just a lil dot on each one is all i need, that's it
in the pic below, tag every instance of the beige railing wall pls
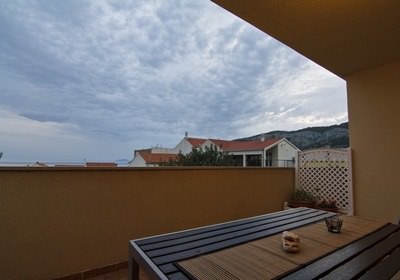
(56, 222)
(373, 100)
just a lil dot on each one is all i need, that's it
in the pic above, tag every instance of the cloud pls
(32, 136)
(135, 74)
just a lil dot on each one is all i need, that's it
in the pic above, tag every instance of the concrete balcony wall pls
(373, 100)
(58, 221)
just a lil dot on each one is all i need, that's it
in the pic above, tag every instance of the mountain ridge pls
(333, 136)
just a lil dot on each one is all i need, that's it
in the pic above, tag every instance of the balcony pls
(60, 222)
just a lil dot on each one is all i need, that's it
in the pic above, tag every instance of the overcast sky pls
(98, 79)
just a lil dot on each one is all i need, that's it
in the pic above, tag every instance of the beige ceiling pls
(344, 36)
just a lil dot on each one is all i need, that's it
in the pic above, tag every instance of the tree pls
(1, 155)
(210, 156)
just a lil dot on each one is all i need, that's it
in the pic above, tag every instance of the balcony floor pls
(117, 275)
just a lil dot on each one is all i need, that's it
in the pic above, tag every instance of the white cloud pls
(126, 75)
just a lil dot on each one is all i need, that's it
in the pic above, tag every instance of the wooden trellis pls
(327, 174)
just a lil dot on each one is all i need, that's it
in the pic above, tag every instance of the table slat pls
(361, 263)
(221, 230)
(386, 269)
(218, 245)
(209, 229)
(160, 253)
(325, 265)
(265, 258)
(245, 234)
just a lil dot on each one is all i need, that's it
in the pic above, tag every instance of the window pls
(253, 160)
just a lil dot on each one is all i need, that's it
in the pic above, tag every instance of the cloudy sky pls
(97, 79)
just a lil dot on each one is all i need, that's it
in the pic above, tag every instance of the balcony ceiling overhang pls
(343, 36)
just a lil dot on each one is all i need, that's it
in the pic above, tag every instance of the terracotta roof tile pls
(156, 157)
(195, 142)
(231, 146)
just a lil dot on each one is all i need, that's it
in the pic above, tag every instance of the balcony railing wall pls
(58, 221)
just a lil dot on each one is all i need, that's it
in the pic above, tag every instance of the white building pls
(277, 152)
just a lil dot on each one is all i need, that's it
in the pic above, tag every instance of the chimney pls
(186, 134)
(262, 139)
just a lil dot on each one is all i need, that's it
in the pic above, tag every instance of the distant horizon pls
(99, 79)
(126, 160)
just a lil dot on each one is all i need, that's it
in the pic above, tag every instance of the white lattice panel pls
(327, 174)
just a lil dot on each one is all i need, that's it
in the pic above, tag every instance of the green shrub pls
(302, 195)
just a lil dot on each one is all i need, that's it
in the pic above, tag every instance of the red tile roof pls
(231, 146)
(195, 142)
(226, 145)
(156, 157)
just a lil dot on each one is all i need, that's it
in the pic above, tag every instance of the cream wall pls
(285, 152)
(138, 161)
(374, 116)
(58, 221)
(183, 147)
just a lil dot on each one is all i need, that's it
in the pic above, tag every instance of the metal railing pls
(280, 163)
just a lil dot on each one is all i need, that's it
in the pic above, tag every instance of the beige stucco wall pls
(374, 115)
(56, 222)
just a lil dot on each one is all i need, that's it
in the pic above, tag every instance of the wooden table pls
(372, 254)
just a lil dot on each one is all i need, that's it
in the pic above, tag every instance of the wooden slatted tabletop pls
(265, 258)
(161, 257)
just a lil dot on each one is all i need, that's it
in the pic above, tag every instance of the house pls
(151, 158)
(278, 152)
(187, 144)
(154, 156)
(272, 152)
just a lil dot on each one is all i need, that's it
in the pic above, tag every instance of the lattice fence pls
(327, 174)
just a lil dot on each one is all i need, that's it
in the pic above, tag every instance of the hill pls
(334, 136)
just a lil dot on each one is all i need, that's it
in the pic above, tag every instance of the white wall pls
(274, 154)
(183, 146)
(138, 161)
(209, 143)
(285, 152)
